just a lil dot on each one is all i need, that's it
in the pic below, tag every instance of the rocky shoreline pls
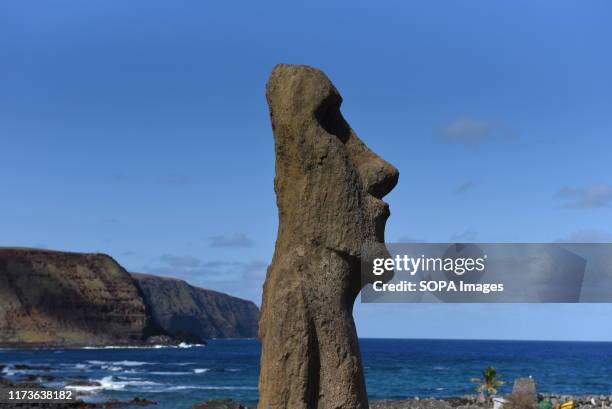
(467, 402)
(32, 381)
(155, 341)
(581, 402)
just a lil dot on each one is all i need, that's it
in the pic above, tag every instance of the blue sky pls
(140, 129)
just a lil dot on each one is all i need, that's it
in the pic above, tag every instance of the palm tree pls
(487, 385)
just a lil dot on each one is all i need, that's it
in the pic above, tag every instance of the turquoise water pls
(178, 377)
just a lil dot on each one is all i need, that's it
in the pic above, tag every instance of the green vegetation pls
(488, 384)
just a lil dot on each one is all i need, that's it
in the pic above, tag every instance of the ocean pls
(395, 368)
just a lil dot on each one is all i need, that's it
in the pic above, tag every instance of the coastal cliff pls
(186, 311)
(59, 298)
(54, 298)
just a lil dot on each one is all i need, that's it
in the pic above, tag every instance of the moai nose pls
(379, 176)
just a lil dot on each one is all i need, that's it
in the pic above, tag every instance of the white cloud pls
(472, 132)
(236, 240)
(468, 236)
(464, 187)
(589, 197)
(587, 236)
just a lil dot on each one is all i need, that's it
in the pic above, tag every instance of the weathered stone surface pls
(193, 314)
(328, 186)
(525, 387)
(219, 404)
(58, 298)
(412, 404)
(470, 402)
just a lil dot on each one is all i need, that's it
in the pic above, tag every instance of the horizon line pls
(449, 339)
(486, 339)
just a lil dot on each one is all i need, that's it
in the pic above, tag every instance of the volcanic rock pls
(329, 186)
(192, 314)
(52, 298)
(59, 298)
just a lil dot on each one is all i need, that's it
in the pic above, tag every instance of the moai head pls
(329, 184)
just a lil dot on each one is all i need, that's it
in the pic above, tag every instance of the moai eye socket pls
(330, 118)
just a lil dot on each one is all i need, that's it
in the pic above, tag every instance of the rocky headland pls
(62, 299)
(191, 312)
